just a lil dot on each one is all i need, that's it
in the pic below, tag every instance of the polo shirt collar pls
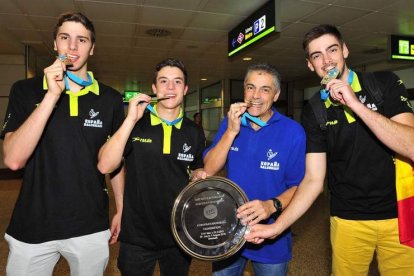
(74, 96)
(94, 87)
(155, 120)
(276, 116)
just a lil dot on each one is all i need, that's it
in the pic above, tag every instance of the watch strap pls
(278, 206)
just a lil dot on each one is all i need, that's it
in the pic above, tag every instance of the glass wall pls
(211, 108)
(191, 104)
(236, 91)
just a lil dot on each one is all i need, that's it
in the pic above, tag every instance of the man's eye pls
(315, 57)
(333, 50)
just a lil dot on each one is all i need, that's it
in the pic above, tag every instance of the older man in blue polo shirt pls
(263, 151)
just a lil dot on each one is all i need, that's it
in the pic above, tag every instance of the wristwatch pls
(278, 207)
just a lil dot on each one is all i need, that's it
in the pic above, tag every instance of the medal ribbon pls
(168, 123)
(76, 79)
(348, 112)
(73, 97)
(246, 116)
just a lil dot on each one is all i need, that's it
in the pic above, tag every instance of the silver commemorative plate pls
(203, 219)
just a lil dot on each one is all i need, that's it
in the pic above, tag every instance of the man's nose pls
(256, 93)
(170, 85)
(73, 44)
(326, 59)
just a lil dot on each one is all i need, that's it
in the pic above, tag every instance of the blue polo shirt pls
(265, 163)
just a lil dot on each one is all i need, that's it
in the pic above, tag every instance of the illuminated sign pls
(129, 95)
(261, 24)
(401, 47)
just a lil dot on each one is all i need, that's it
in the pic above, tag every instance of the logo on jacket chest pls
(270, 163)
(185, 155)
(93, 121)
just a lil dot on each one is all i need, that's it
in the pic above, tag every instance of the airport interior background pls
(211, 38)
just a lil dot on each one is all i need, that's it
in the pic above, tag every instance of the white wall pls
(12, 68)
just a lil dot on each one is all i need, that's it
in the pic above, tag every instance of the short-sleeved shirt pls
(361, 172)
(158, 159)
(63, 195)
(265, 163)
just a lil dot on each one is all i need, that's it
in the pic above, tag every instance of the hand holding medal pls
(65, 59)
(332, 74)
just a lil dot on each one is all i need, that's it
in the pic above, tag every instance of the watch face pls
(278, 205)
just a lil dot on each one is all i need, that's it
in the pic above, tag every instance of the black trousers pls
(134, 260)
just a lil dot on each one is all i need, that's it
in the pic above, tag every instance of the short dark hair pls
(268, 68)
(172, 63)
(319, 31)
(75, 17)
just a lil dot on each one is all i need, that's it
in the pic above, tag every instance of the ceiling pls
(125, 55)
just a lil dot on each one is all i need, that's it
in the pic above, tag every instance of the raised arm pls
(216, 158)
(19, 145)
(111, 153)
(396, 133)
(306, 193)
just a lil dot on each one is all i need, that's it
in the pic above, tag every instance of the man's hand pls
(342, 92)
(234, 116)
(54, 77)
(259, 232)
(255, 211)
(198, 174)
(137, 106)
(115, 228)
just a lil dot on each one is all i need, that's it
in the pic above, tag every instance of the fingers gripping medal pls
(68, 75)
(332, 74)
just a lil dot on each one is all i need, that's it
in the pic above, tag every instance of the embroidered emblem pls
(270, 154)
(141, 140)
(186, 147)
(185, 156)
(93, 114)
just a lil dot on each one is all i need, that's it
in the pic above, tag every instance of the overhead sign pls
(401, 47)
(258, 26)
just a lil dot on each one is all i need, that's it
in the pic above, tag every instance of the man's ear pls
(185, 90)
(91, 51)
(276, 96)
(154, 89)
(345, 51)
(310, 66)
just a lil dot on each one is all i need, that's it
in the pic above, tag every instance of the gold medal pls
(65, 59)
